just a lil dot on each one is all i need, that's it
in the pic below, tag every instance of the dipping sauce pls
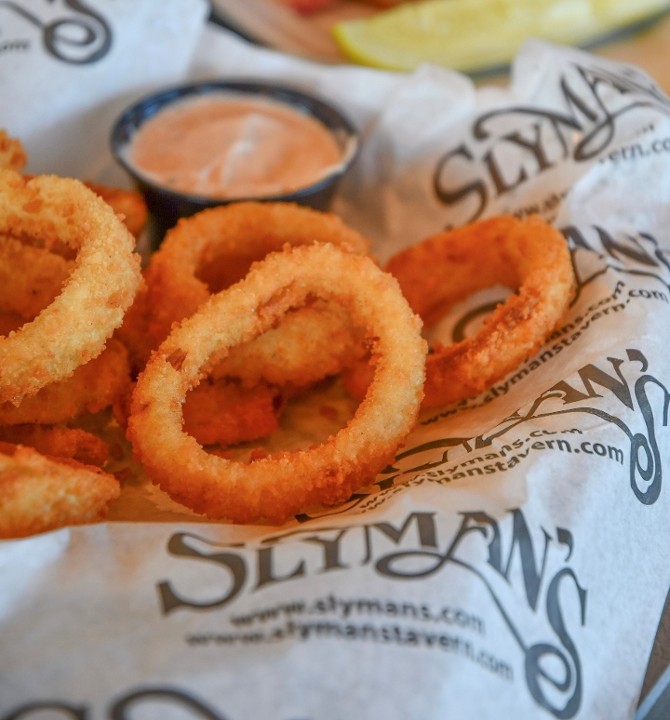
(231, 146)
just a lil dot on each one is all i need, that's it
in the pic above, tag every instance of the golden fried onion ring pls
(275, 486)
(212, 250)
(38, 493)
(129, 205)
(527, 255)
(30, 277)
(74, 328)
(315, 342)
(92, 387)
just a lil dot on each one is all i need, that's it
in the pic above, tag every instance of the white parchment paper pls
(513, 562)
(68, 67)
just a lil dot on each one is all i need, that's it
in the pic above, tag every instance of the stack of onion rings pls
(208, 252)
(68, 274)
(242, 306)
(273, 487)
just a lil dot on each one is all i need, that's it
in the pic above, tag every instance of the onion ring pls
(38, 493)
(59, 441)
(225, 413)
(93, 387)
(213, 249)
(129, 205)
(275, 486)
(30, 277)
(314, 342)
(74, 328)
(526, 254)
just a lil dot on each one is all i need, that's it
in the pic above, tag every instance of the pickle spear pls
(472, 35)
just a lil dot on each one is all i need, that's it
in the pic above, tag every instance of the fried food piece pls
(93, 387)
(316, 342)
(128, 204)
(529, 256)
(59, 441)
(30, 277)
(133, 332)
(38, 493)
(75, 327)
(214, 249)
(225, 413)
(277, 485)
(12, 153)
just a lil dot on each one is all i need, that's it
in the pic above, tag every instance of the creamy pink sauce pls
(230, 146)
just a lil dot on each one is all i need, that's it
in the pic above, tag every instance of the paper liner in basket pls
(513, 561)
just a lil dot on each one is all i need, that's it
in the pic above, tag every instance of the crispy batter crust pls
(93, 387)
(94, 298)
(12, 153)
(214, 249)
(30, 277)
(129, 205)
(278, 485)
(529, 256)
(219, 412)
(58, 441)
(38, 493)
